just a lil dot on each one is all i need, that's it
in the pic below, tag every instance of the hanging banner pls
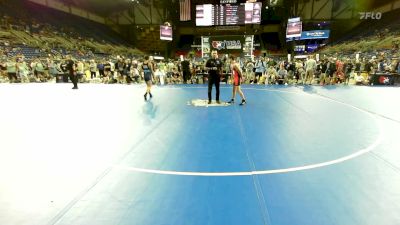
(205, 47)
(315, 34)
(234, 44)
(248, 46)
(227, 44)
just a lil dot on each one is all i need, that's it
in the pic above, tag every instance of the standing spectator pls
(119, 69)
(339, 71)
(331, 71)
(134, 71)
(80, 71)
(170, 68)
(348, 68)
(369, 68)
(92, 68)
(311, 66)
(39, 68)
(71, 68)
(291, 68)
(282, 74)
(107, 72)
(100, 67)
(112, 74)
(126, 72)
(300, 72)
(162, 71)
(185, 65)
(260, 66)
(250, 71)
(53, 71)
(358, 66)
(64, 70)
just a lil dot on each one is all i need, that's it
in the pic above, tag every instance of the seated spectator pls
(53, 70)
(107, 72)
(23, 70)
(134, 72)
(282, 77)
(360, 79)
(249, 68)
(12, 70)
(176, 78)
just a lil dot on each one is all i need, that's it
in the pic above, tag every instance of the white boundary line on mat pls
(274, 171)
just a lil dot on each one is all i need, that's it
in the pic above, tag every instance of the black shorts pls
(258, 74)
(147, 77)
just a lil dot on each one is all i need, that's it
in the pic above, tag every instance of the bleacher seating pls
(370, 35)
(149, 40)
(40, 29)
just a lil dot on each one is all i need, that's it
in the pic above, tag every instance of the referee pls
(214, 66)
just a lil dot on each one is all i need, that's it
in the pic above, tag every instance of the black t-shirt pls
(63, 66)
(324, 67)
(291, 67)
(107, 67)
(368, 67)
(215, 66)
(70, 66)
(185, 65)
(349, 67)
(358, 66)
(120, 66)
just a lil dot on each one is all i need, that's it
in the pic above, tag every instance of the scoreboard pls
(228, 14)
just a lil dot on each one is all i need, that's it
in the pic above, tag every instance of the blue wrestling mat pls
(293, 155)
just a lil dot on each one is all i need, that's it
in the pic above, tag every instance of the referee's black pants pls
(213, 79)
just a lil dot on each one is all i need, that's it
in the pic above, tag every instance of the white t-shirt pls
(358, 78)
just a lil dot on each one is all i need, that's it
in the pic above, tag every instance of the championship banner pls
(227, 45)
